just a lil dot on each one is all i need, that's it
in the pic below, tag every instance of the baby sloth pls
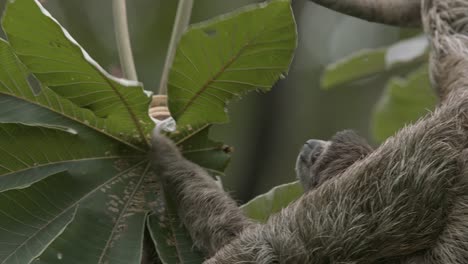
(321, 160)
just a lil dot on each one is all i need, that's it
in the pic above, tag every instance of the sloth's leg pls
(320, 160)
(212, 218)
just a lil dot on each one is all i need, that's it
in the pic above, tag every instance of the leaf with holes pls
(228, 56)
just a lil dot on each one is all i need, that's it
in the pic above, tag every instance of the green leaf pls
(31, 153)
(172, 241)
(23, 223)
(230, 55)
(369, 62)
(60, 63)
(104, 156)
(20, 104)
(262, 206)
(359, 65)
(403, 102)
(196, 146)
(109, 224)
(110, 189)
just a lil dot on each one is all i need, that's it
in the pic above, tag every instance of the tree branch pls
(405, 13)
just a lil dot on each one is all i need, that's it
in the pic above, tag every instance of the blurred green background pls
(266, 130)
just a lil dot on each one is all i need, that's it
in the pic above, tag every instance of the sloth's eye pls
(315, 154)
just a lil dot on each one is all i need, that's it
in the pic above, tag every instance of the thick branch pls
(405, 13)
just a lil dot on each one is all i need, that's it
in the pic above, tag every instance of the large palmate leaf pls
(59, 62)
(102, 173)
(262, 206)
(23, 223)
(403, 102)
(228, 56)
(164, 225)
(76, 184)
(109, 224)
(98, 151)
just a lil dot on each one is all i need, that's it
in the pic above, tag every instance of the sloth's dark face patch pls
(319, 161)
(307, 158)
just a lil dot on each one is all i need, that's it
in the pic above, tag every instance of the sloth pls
(404, 202)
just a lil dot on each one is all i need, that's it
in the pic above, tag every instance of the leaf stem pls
(123, 39)
(182, 20)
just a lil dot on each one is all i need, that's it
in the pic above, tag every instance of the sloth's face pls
(307, 160)
(319, 160)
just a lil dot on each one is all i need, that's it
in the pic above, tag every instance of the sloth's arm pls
(212, 218)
